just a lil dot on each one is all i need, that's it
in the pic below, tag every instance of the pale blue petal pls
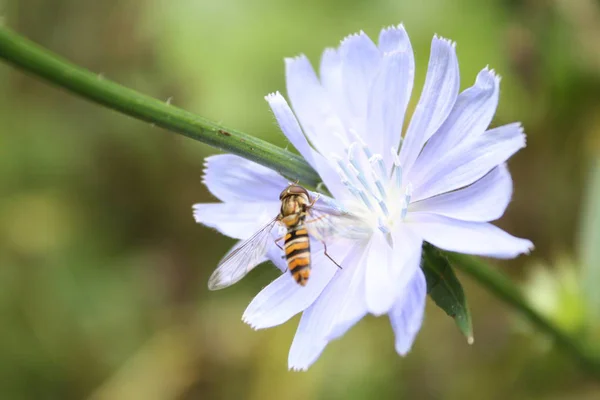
(353, 306)
(407, 314)
(318, 320)
(360, 63)
(470, 161)
(437, 99)
(470, 117)
(388, 100)
(289, 125)
(283, 298)
(479, 238)
(388, 270)
(236, 220)
(276, 256)
(485, 200)
(330, 177)
(330, 72)
(394, 39)
(312, 106)
(233, 178)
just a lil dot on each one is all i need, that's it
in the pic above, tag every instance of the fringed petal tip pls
(353, 36)
(391, 28)
(448, 42)
(208, 160)
(292, 60)
(515, 126)
(487, 79)
(492, 72)
(529, 247)
(250, 324)
(207, 164)
(301, 360)
(395, 39)
(197, 212)
(294, 368)
(521, 132)
(273, 96)
(329, 53)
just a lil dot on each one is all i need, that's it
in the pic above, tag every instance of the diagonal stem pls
(27, 56)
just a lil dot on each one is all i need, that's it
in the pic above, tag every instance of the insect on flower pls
(296, 205)
(442, 182)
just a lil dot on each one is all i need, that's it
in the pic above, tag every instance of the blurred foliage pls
(589, 238)
(103, 271)
(568, 292)
(557, 294)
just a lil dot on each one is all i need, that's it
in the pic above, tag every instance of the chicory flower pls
(442, 182)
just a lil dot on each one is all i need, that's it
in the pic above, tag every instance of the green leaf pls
(589, 244)
(445, 290)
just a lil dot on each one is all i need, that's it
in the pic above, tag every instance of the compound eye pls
(297, 189)
(283, 194)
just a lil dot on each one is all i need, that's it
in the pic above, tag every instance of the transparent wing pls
(327, 219)
(242, 258)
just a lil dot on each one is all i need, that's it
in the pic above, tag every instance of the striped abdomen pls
(297, 253)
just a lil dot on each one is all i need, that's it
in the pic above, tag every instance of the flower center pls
(379, 194)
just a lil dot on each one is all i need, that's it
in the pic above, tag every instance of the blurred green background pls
(103, 271)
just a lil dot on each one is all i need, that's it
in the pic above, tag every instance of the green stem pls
(501, 286)
(26, 55)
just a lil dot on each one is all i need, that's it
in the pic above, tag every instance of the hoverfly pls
(300, 216)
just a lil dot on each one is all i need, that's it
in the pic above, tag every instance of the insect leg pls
(278, 245)
(308, 221)
(277, 240)
(312, 203)
(328, 256)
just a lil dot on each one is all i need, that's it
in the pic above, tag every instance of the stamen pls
(343, 169)
(366, 149)
(382, 226)
(361, 178)
(404, 209)
(360, 194)
(353, 169)
(353, 189)
(386, 232)
(365, 199)
(397, 172)
(356, 168)
(379, 185)
(384, 208)
(408, 193)
(378, 159)
(397, 169)
(351, 151)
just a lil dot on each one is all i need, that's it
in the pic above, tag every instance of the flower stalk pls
(39, 62)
